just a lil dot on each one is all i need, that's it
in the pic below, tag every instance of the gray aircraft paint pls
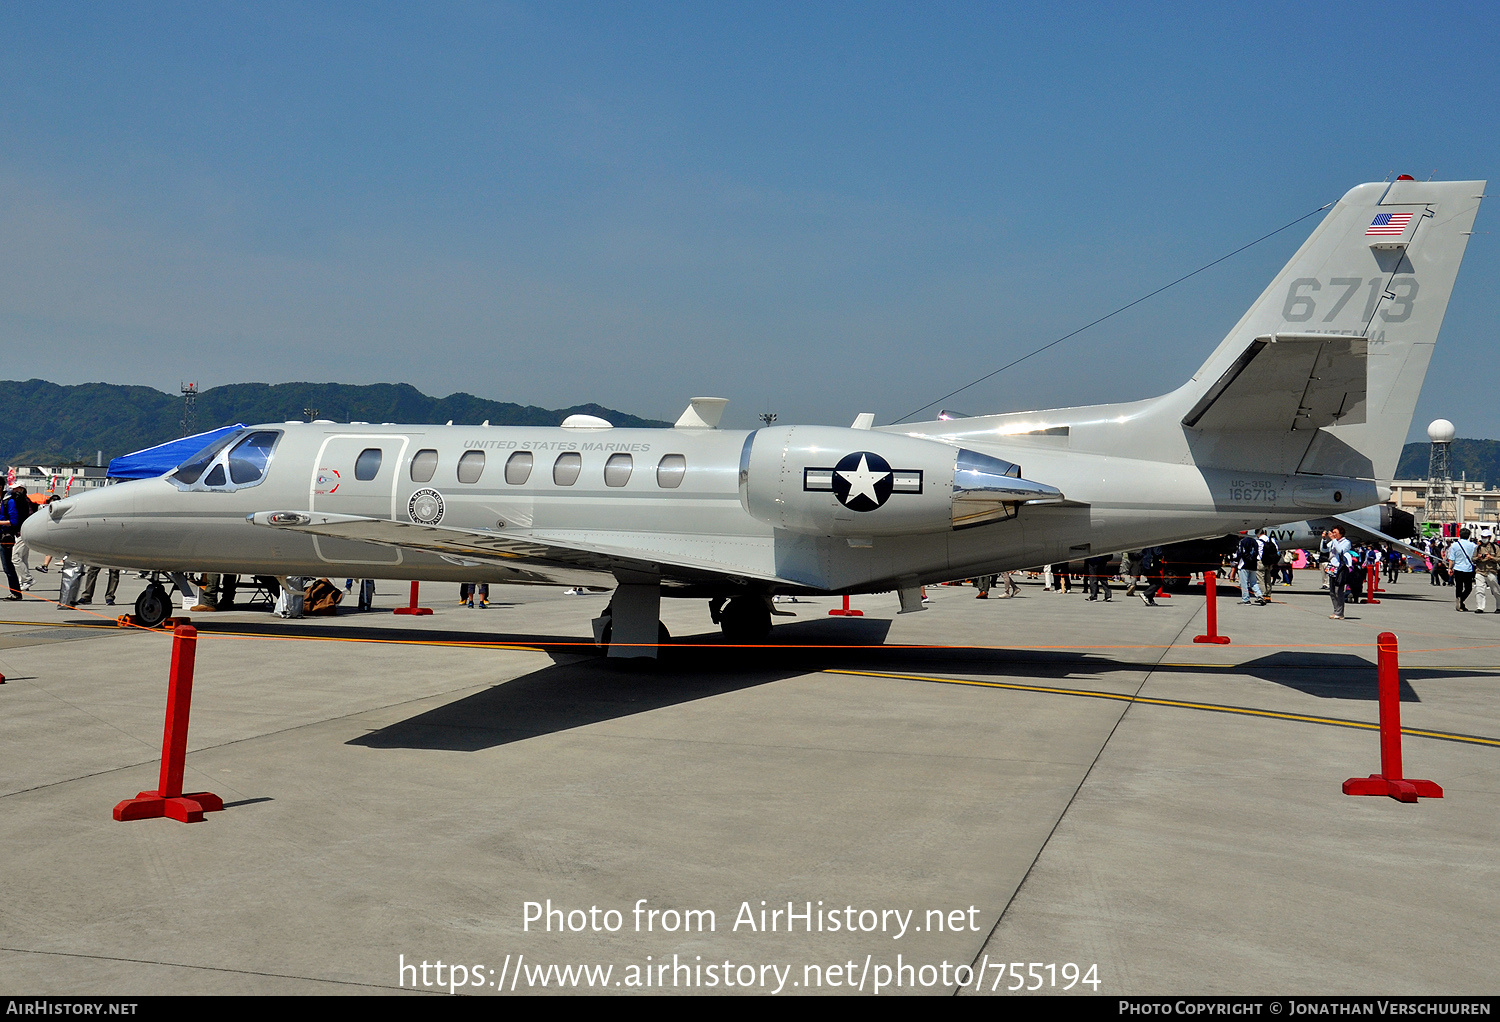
(1299, 413)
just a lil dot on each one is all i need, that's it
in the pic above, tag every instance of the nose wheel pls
(152, 606)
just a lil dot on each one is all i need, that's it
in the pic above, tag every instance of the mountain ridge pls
(50, 423)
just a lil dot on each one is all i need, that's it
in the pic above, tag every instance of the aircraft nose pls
(36, 530)
(63, 527)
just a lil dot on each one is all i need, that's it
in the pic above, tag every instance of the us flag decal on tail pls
(1389, 223)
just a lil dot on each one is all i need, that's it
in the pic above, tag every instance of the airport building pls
(1475, 502)
(56, 478)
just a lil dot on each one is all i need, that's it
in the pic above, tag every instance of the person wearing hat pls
(1487, 569)
(14, 509)
(21, 554)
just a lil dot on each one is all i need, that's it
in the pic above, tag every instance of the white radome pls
(1441, 431)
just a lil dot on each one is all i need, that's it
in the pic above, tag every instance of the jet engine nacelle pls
(828, 481)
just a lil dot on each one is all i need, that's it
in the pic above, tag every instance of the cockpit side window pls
(249, 458)
(236, 462)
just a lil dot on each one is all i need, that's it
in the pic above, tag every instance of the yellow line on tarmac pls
(1209, 707)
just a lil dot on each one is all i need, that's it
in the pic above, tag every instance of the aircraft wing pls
(529, 558)
(1287, 382)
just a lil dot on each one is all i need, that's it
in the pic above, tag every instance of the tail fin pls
(1371, 286)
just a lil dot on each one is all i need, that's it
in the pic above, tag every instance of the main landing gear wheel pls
(152, 606)
(746, 620)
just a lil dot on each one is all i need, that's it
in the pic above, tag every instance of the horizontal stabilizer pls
(1366, 532)
(1287, 382)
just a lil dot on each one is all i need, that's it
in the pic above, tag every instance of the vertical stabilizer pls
(1381, 266)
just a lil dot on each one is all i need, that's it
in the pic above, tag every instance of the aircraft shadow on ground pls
(583, 687)
(580, 690)
(1327, 675)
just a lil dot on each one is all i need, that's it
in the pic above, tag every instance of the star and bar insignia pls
(862, 481)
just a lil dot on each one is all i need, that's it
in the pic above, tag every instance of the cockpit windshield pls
(235, 462)
(188, 472)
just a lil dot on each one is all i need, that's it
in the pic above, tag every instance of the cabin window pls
(367, 465)
(566, 468)
(617, 469)
(470, 466)
(518, 468)
(424, 465)
(670, 470)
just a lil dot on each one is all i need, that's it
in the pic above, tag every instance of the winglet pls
(702, 413)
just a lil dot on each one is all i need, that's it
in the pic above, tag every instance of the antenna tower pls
(1442, 501)
(189, 395)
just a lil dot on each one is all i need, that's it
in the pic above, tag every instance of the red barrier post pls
(413, 609)
(168, 798)
(1372, 585)
(1375, 586)
(1389, 781)
(845, 611)
(1210, 592)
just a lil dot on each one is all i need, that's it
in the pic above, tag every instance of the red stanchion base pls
(151, 805)
(1402, 790)
(844, 611)
(412, 608)
(1217, 640)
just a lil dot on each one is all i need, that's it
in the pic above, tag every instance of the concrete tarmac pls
(1037, 780)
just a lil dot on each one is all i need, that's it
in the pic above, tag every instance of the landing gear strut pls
(631, 625)
(744, 619)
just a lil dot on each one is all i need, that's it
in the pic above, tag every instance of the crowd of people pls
(1259, 564)
(1470, 563)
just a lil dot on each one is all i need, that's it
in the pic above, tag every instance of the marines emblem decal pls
(862, 481)
(426, 507)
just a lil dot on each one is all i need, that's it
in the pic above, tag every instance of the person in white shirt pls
(1460, 559)
(1338, 570)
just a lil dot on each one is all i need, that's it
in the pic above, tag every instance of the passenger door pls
(357, 474)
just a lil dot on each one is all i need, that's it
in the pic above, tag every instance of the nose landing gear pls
(152, 606)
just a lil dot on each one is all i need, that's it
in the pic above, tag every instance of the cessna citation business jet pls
(1300, 413)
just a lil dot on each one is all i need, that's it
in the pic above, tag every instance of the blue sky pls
(814, 209)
